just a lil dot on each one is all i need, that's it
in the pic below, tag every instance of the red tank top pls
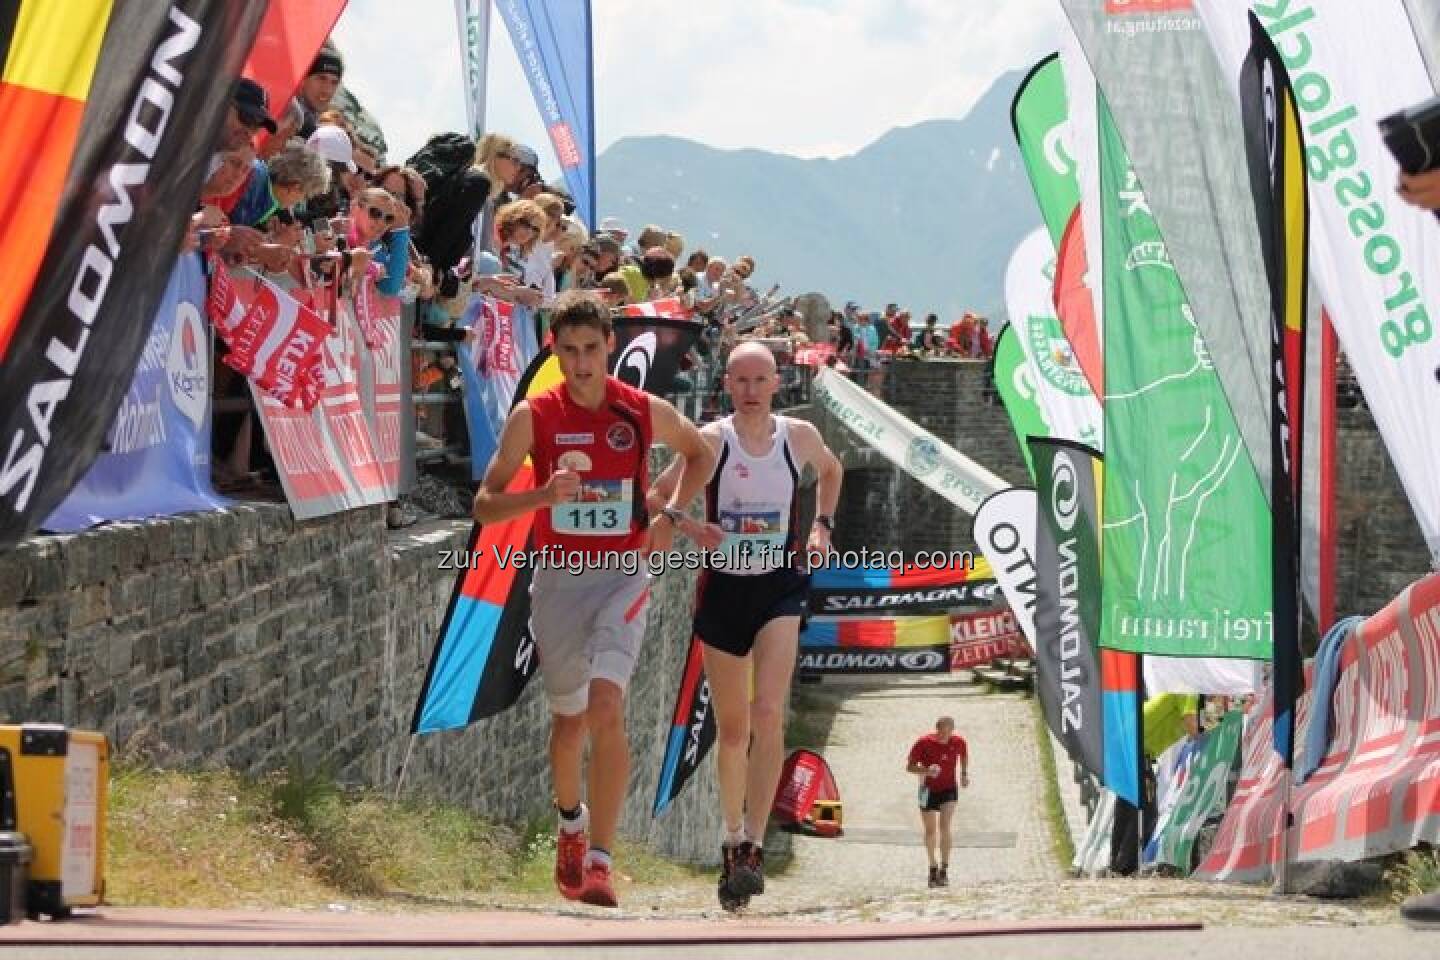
(610, 448)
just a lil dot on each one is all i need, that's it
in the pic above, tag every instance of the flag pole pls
(404, 766)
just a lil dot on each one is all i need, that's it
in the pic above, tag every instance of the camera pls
(1413, 136)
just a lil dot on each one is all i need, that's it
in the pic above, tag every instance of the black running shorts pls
(933, 800)
(733, 609)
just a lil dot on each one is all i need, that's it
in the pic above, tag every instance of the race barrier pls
(1377, 789)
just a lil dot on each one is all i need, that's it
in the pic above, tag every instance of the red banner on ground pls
(1377, 790)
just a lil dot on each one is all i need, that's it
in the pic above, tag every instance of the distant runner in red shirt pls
(934, 757)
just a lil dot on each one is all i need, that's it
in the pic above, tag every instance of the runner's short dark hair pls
(580, 308)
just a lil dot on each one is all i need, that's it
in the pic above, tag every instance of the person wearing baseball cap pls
(249, 111)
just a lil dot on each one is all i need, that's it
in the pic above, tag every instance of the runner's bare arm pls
(492, 503)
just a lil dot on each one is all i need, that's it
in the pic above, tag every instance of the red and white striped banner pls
(1377, 790)
(668, 307)
(276, 343)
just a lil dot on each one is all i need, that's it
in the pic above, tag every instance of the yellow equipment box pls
(58, 780)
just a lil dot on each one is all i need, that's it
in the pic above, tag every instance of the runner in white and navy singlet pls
(753, 595)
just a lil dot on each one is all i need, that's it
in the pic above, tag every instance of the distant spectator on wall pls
(931, 339)
(318, 88)
(658, 269)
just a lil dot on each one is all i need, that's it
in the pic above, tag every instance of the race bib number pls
(753, 539)
(601, 508)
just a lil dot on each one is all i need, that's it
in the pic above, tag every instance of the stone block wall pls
(246, 639)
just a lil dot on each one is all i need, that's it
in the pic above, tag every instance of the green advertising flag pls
(1017, 392)
(1187, 528)
(1040, 118)
(1203, 794)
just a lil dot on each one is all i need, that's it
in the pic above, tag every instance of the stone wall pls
(247, 639)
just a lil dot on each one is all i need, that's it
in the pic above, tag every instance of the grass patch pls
(296, 839)
(1062, 847)
(1414, 871)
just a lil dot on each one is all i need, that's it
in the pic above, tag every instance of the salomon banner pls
(109, 111)
(1067, 404)
(918, 452)
(1377, 789)
(649, 350)
(1005, 531)
(867, 591)
(1187, 529)
(1089, 696)
(1376, 259)
(692, 731)
(1202, 796)
(875, 632)
(1085, 720)
(472, 23)
(156, 459)
(484, 655)
(820, 660)
(1275, 151)
(552, 41)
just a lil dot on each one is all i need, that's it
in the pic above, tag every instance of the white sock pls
(595, 855)
(578, 824)
(733, 838)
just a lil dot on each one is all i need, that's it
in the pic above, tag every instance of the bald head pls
(750, 358)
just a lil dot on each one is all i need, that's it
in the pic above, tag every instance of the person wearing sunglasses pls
(380, 228)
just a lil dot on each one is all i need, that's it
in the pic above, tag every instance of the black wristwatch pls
(827, 522)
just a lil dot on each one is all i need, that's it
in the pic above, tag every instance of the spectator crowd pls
(304, 194)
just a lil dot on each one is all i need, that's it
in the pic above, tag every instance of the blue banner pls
(552, 40)
(492, 363)
(156, 457)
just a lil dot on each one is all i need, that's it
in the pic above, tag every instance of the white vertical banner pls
(1066, 401)
(1005, 533)
(472, 20)
(1375, 258)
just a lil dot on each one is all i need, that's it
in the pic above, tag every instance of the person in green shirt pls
(1169, 717)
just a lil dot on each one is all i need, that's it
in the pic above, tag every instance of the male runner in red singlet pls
(933, 758)
(589, 438)
(751, 601)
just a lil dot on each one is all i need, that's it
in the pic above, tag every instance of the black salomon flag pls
(649, 351)
(1275, 151)
(108, 115)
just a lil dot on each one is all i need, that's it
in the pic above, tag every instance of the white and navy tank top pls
(753, 500)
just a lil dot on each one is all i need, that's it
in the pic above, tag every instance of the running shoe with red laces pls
(570, 850)
(598, 891)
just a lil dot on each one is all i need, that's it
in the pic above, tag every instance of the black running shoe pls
(1422, 912)
(747, 870)
(942, 876)
(730, 899)
(934, 880)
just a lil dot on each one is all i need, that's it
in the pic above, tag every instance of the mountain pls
(926, 216)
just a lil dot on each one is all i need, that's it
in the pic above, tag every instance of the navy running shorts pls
(734, 609)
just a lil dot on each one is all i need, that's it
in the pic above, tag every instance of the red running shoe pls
(598, 891)
(570, 850)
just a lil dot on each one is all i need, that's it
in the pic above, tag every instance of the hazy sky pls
(804, 77)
